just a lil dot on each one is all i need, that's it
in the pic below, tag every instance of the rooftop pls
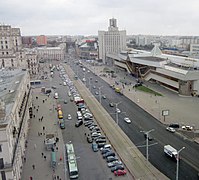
(9, 84)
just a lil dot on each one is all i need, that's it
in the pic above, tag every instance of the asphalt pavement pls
(182, 110)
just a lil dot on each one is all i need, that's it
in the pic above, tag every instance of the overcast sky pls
(86, 17)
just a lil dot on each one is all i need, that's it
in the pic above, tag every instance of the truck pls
(170, 151)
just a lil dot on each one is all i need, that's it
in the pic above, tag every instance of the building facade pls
(52, 53)
(32, 61)
(11, 54)
(41, 40)
(15, 108)
(112, 41)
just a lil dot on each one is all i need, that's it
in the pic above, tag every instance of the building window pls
(7, 53)
(2, 53)
(6, 47)
(1, 47)
(6, 42)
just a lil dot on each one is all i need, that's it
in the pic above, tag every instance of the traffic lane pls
(146, 120)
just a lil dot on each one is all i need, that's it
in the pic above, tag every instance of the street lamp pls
(89, 83)
(147, 143)
(100, 94)
(116, 104)
(177, 168)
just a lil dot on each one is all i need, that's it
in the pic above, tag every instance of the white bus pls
(72, 163)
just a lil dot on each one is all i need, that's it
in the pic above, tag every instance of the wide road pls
(142, 121)
(91, 165)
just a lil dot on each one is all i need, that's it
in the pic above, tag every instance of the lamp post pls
(177, 164)
(100, 94)
(116, 105)
(147, 144)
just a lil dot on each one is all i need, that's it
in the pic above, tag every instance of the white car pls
(127, 120)
(84, 79)
(69, 117)
(170, 129)
(118, 110)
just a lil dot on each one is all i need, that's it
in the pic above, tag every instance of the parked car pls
(78, 123)
(174, 125)
(100, 140)
(100, 145)
(94, 147)
(118, 110)
(170, 129)
(111, 153)
(114, 163)
(118, 167)
(188, 128)
(120, 172)
(111, 159)
(104, 151)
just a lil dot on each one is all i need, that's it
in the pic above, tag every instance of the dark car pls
(104, 151)
(111, 153)
(174, 125)
(100, 140)
(111, 104)
(94, 147)
(78, 123)
(88, 123)
(100, 145)
(118, 167)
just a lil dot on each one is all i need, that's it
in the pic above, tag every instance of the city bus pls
(72, 163)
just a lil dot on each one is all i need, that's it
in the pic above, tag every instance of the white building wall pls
(111, 41)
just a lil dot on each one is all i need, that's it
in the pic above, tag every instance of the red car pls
(120, 172)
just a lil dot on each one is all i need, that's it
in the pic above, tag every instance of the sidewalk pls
(35, 142)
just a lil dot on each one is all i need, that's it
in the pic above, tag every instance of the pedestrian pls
(58, 177)
(39, 119)
(43, 101)
(43, 128)
(34, 116)
(42, 154)
(24, 159)
(38, 133)
(57, 148)
(37, 110)
(33, 166)
(30, 177)
(45, 157)
(35, 146)
(38, 107)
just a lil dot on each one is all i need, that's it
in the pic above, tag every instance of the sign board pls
(165, 112)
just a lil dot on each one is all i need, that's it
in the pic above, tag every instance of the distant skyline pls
(78, 17)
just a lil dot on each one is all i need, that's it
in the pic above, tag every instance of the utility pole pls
(100, 94)
(147, 144)
(177, 168)
(116, 105)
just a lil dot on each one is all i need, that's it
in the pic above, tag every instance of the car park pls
(78, 123)
(94, 147)
(127, 120)
(170, 129)
(120, 172)
(117, 167)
